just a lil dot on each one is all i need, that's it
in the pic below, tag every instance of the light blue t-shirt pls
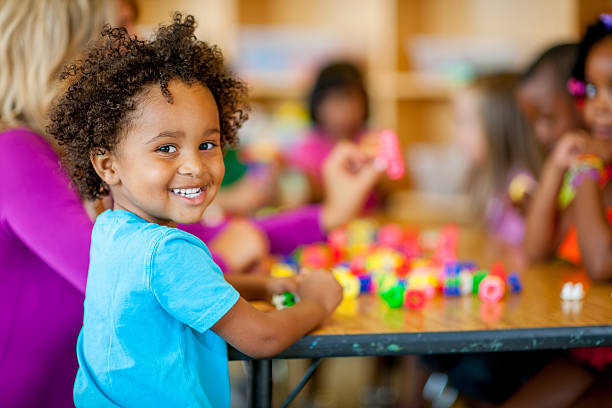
(152, 295)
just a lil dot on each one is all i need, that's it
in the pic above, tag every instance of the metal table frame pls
(388, 344)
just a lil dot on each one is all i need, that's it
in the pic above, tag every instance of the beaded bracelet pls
(585, 166)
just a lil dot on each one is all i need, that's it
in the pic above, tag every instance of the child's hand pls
(349, 175)
(275, 286)
(321, 287)
(570, 145)
(241, 245)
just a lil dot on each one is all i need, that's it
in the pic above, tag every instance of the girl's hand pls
(242, 245)
(321, 287)
(570, 145)
(349, 175)
(275, 286)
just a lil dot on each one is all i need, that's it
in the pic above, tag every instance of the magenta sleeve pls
(285, 231)
(39, 206)
(290, 229)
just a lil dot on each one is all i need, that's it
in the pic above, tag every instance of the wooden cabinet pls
(406, 46)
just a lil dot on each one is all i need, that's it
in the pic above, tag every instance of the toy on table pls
(491, 288)
(415, 299)
(284, 300)
(404, 269)
(572, 291)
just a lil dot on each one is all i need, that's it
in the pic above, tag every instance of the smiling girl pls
(570, 210)
(146, 122)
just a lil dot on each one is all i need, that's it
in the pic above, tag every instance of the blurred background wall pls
(414, 54)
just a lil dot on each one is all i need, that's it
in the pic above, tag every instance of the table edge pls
(472, 341)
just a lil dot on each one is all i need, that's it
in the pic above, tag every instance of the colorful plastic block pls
(394, 296)
(466, 281)
(315, 256)
(571, 291)
(282, 270)
(284, 300)
(350, 284)
(514, 283)
(365, 283)
(478, 277)
(498, 269)
(414, 299)
(491, 289)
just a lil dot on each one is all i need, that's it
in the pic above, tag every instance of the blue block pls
(514, 281)
(365, 284)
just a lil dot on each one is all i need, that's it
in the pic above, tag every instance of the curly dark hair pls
(596, 32)
(105, 88)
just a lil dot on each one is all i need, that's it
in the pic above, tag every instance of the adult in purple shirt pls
(44, 227)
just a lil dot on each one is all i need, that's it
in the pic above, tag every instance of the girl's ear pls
(104, 163)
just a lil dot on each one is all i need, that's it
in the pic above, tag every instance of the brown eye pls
(167, 149)
(207, 146)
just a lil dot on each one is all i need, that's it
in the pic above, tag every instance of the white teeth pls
(187, 192)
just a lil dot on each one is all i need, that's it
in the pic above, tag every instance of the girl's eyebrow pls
(178, 133)
(166, 133)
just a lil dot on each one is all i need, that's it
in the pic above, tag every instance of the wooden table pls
(534, 319)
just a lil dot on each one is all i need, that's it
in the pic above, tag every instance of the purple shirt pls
(44, 255)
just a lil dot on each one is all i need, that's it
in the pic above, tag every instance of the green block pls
(452, 282)
(393, 297)
(478, 277)
(289, 299)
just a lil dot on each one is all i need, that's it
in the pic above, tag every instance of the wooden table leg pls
(260, 383)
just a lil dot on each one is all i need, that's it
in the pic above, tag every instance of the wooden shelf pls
(406, 85)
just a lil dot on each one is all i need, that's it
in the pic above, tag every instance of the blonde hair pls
(36, 39)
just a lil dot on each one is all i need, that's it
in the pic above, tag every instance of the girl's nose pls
(192, 164)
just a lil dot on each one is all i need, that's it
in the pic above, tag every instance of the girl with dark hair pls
(571, 216)
(339, 109)
(544, 98)
(568, 194)
(146, 122)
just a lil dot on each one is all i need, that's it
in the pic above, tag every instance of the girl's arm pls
(39, 207)
(543, 215)
(265, 334)
(594, 231)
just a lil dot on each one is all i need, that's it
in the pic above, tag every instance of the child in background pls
(544, 98)
(585, 155)
(145, 122)
(585, 379)
(495, 137)
(339, 109)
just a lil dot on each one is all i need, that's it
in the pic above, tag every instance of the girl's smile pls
(192, 195)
